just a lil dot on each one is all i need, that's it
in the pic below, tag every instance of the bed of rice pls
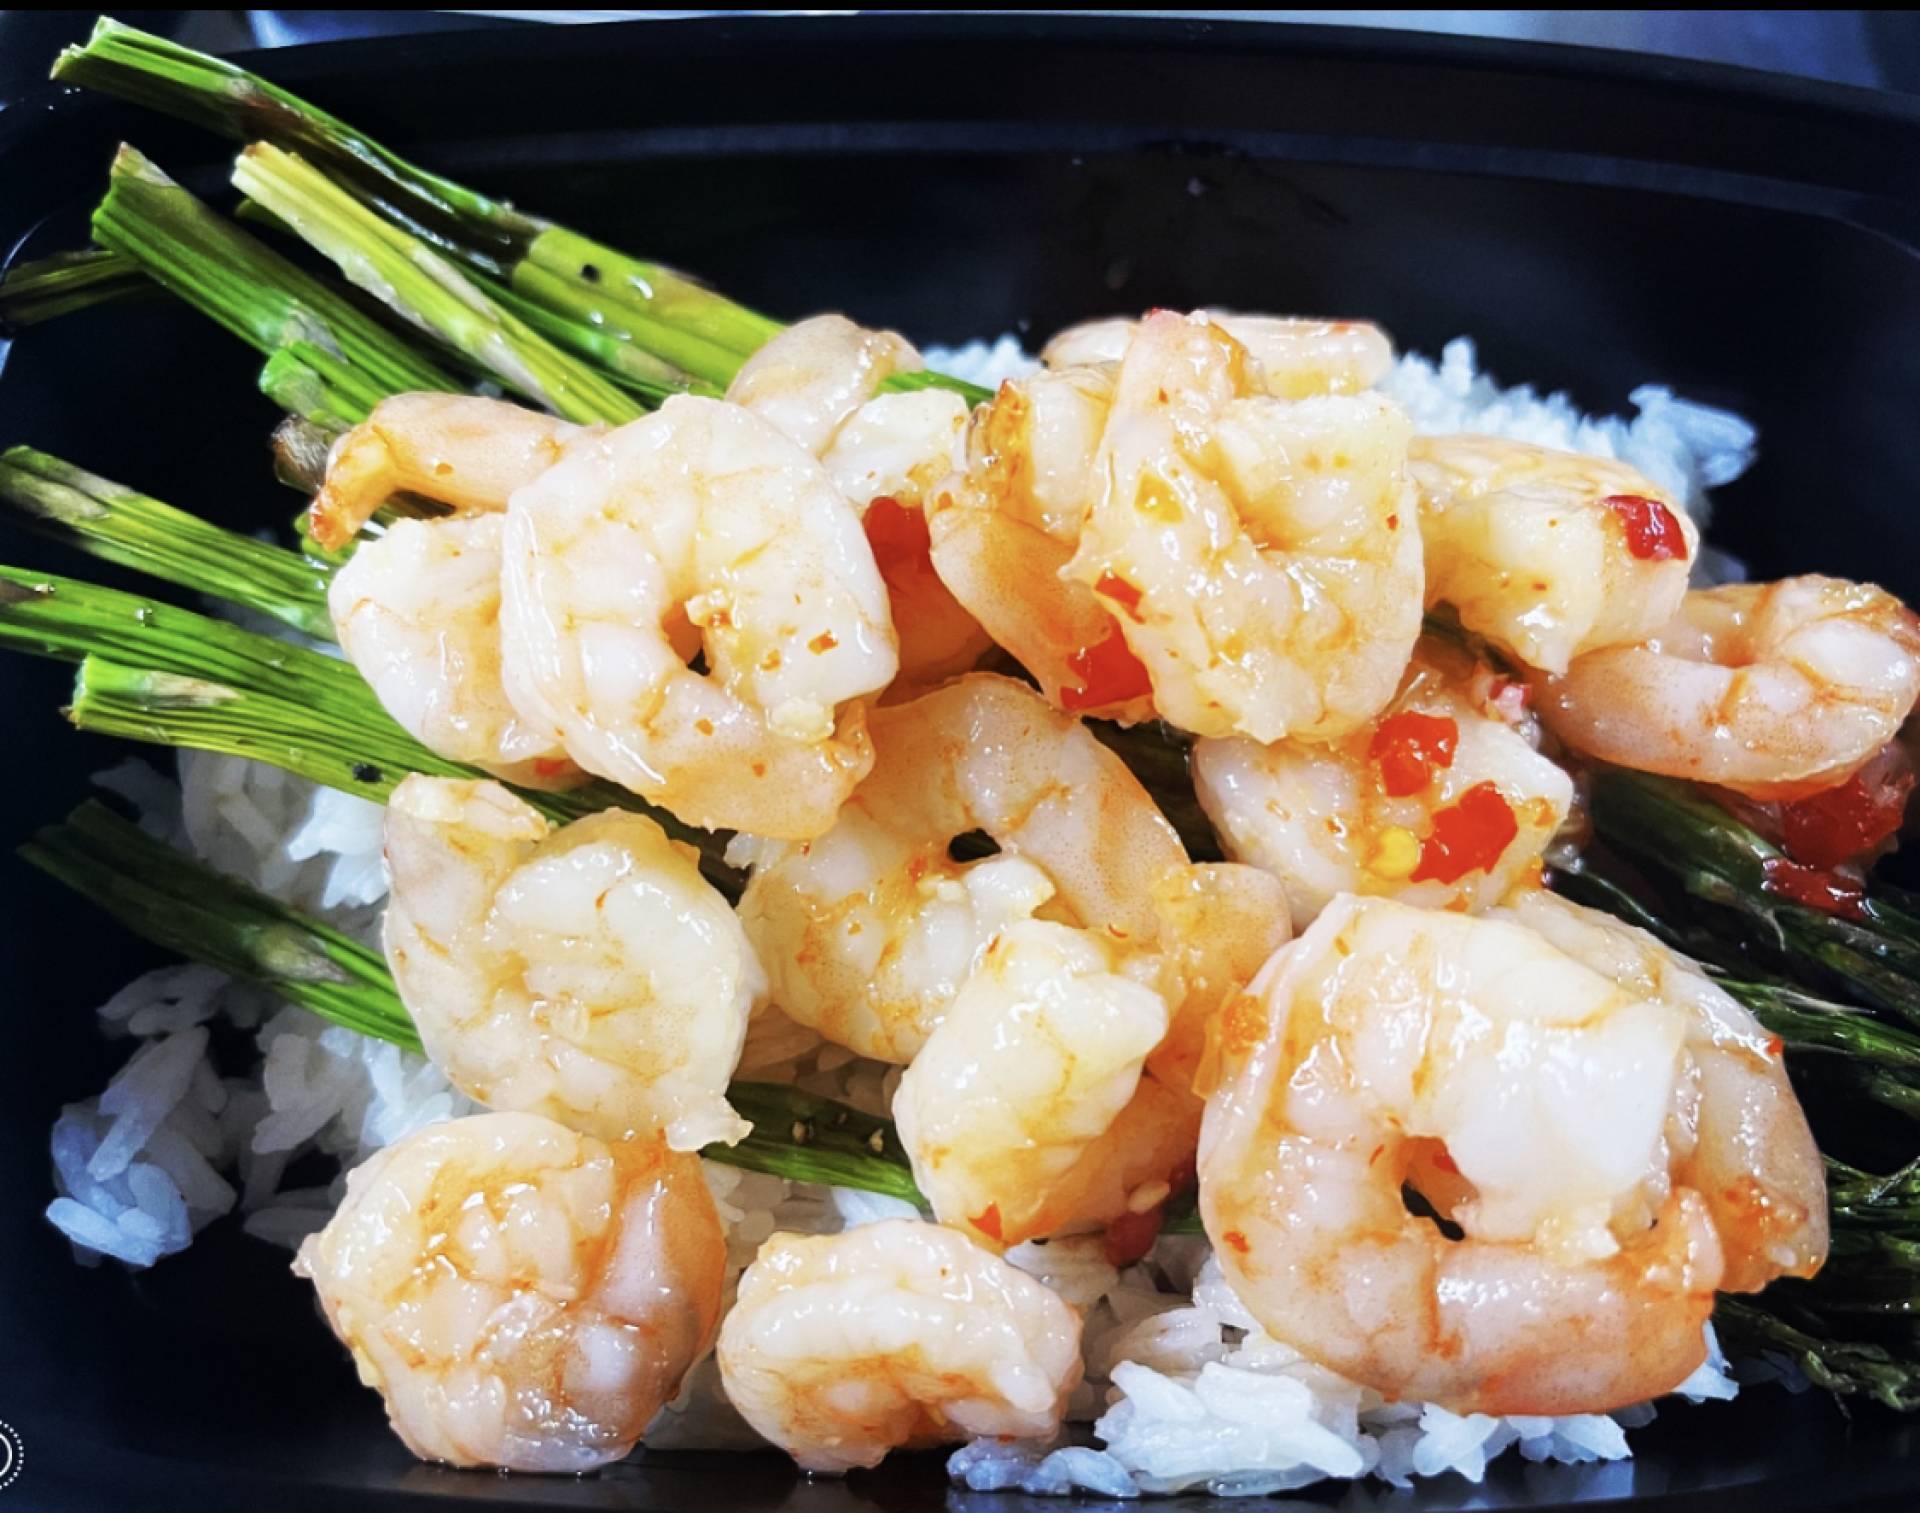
(1182, 1390)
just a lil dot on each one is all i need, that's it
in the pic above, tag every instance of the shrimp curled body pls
(522, 1296)
(417, 611)
(894, 1335)
(1776, 690)
(1261, 556)
(699, 528)
(590, 974)
(1577, 1116)
(1546, 553)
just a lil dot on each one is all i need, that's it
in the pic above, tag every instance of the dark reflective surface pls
(1594, 224)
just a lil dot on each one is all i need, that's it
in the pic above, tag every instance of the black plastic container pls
(1594, 220)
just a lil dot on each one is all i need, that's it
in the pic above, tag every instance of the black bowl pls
(1594, 220)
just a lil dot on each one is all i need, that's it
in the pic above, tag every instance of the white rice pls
(1182, 1390)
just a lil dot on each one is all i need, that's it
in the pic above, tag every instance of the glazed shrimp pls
(810, 379)
(1442, 802)
(1262, 555)
(1003, 529)
(894, 1335)
(818, 382)
(417, 611)
(1548, 554)
(463, 451)
(1775, 690)
(869, 930)
(590, 973)
(1747, 1150)
(1295, 358)
(701, 515)
(1568, 1123)
(1026, 1112)
(522, 1296)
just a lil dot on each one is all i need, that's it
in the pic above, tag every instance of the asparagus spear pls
(426, 288)
(175, 902)
(156, 673)
(1671, 829)
(246, 286)
(67, 281)
(642, 304)
(124, 526)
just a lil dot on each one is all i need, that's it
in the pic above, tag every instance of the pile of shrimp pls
(895, 646)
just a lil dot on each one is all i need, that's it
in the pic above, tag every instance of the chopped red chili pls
(1109, 674)
(1468, 835)
(1131, 1236)
(1847, 821)
(898, 536)
(1653, 535)
(1815, 887)
(1126, 595)
(1410, 747)
(988, 1223)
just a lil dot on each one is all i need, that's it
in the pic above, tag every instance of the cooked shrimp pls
(1577, 1130)
(699, 514)
(1262, 555)
(1776, 690)
(817, 382)
(894, 1335)
(1296, 358)
(1003, 529)
(1747, 1150)
(417, 611)
(1025, 1112)
(869, 930)
(590, 974)
(1441, 802)
(522, 1296)
(810, 379)
(1548, 554)
(463, 451)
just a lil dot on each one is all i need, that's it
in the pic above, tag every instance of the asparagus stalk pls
(67, 281)
(175, 902)
(643, 305)
(1672, 830)
(246, 286)
(156, 673)
(163, 897)
(427, 289)
(121, 525)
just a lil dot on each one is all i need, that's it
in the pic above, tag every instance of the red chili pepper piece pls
(1469, 835)
(1123, 593)
(1847, 821)
(1410, 747)
(1131, 1236)
(1814, 887)
(898, 536)
(988, 1223)
(1108, 674)
(1653, 535)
